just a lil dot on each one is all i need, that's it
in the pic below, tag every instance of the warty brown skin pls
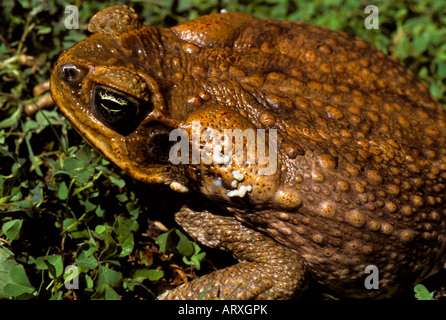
(361, 147)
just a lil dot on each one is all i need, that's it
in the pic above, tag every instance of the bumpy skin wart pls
(361, 165)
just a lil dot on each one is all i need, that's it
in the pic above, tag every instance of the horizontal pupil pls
(112, 98)
(114, 108)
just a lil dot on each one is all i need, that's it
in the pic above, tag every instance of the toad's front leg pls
(266, 269)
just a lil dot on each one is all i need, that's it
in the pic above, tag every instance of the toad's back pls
(363, 149)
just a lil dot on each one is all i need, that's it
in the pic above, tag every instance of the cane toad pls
(354, 181)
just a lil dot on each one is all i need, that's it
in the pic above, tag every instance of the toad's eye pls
(118, 110)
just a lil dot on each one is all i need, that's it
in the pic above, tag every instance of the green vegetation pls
(421, 293)
(62, 204)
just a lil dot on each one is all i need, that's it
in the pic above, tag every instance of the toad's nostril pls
(70, 72)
